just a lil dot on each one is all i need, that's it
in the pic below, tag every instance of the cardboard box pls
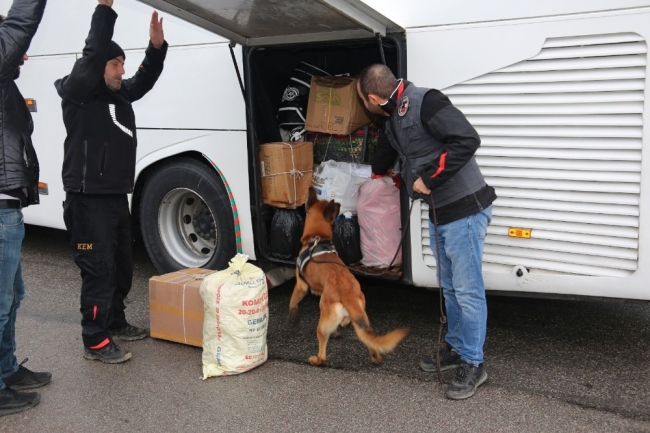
(286, 173)
(175, 306)
(334, 106)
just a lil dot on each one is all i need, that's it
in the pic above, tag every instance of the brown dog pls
(341, 299)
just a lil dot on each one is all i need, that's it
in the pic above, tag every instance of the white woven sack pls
(235, 303)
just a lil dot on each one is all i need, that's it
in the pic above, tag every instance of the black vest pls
(417, 148)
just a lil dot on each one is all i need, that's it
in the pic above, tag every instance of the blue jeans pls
(12, 288)
(461, 251)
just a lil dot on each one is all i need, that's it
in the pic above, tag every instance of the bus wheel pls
(186, 217)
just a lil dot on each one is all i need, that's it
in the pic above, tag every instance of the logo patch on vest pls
(403, 106)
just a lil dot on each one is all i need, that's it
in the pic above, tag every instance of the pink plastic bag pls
(379, 221)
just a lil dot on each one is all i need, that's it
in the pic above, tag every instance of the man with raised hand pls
(98, 173)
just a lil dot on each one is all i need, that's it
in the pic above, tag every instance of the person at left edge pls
(98, 173)
(19, 171)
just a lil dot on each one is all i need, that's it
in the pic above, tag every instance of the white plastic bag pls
(236, 308)
(379, 222)
(340, 181)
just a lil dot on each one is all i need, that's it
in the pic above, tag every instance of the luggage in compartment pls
(286, 173)
(285, 233)
(344, 143)
(334, 106)
(346, 238)
(355, 147)
(293, 107)
(340, 181)
(380, 222)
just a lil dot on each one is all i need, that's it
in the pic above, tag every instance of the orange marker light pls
(43, 188)
(31, 104)
(515, 232)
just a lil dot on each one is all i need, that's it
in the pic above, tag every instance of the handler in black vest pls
(98, 173)
(436, 146)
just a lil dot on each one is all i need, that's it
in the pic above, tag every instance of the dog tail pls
(380, 343)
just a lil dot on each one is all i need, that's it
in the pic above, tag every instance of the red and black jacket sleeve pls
(449, 126)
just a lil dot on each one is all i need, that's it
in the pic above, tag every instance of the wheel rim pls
(187, 228)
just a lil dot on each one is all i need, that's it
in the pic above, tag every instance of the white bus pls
(556, 90)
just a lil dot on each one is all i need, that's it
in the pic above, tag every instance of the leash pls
(443, 317)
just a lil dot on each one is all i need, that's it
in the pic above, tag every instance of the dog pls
(341, 299)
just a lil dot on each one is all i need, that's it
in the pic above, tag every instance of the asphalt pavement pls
(553, 365)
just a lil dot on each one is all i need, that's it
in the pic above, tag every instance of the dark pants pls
(100, 230)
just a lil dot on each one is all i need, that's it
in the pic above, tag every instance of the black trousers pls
(100, 229)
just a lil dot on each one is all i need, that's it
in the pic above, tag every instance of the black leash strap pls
(443, 317)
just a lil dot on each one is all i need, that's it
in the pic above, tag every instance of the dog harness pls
(318, 247)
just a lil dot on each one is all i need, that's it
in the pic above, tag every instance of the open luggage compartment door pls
(277, 22)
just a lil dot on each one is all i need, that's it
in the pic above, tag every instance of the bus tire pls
(186, 217)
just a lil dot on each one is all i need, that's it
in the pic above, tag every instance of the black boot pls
(448, 359)
(467, 378)
(12, 401)
(110, 354)
(24, 378)
(130, 333)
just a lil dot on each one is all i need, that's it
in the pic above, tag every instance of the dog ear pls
(312, 198)
(331, 211)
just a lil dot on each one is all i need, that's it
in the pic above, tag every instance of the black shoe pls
(130, 333)
(110, 354)
(24, 378)
(448, 360)
(12, 401)
(468, 377)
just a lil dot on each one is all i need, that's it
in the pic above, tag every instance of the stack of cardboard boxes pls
(334, 108)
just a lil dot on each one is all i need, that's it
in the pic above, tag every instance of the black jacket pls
(100, 147)
(19, 167)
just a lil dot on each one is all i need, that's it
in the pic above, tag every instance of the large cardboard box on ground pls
(286, 173)
(334, 106)
(175, 306)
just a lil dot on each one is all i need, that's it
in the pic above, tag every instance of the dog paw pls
(315, 360)
(375, 358)
(335, 334)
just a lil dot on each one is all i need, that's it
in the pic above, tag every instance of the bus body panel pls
(491, 55)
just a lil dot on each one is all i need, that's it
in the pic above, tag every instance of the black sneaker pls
(448, 360)
(467, 378)
(110, 354)
(130, 333)
(24, 378)
(12, 401)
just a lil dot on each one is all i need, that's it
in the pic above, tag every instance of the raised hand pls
(155, 30)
